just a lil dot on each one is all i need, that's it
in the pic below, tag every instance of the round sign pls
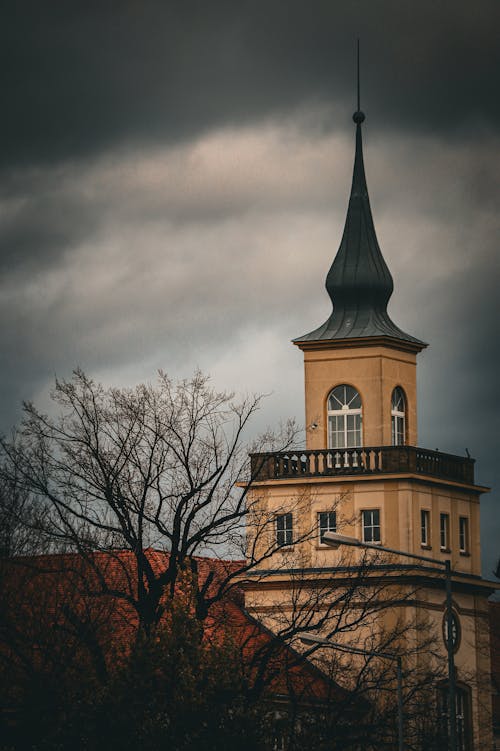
(455, 630)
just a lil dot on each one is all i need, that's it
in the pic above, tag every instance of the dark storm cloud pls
(39, 224)
(77, 77)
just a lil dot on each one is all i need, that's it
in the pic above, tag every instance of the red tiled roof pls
(37, 586)
(291, 672)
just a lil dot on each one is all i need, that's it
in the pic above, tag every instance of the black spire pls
(359, 282)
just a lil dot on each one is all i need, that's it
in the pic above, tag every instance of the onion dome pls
(359, 282)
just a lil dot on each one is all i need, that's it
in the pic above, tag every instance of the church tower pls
(362, 473)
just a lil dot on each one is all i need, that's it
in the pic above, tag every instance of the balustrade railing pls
(362, 460)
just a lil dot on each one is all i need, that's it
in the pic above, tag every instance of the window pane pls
(463, 534)
(358, 430)
(331, 433)
(444, 531)
(424, 518)
(327, 522)
(353, 398)
(344, 396)
(398, 400)
(371, 525)
(398, 410)
(340, 437)
(337, 398)
(397, 430)
(284, 530)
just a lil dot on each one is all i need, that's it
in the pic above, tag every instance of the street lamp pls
(313, 639)
(335, 541)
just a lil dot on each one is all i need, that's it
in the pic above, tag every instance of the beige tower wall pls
(374, 371)
(286, 578)
(400, 500)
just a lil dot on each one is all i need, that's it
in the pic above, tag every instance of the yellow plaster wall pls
(374, 371)
(400, 501)
(276, 607)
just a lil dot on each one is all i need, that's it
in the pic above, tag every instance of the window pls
(463, 717)
(371, 525)
(344, 418)
(463, 534)
(327, 522)
(444, 531)
(425, 519)
(279, 740)
(284, 529)
(398, 417)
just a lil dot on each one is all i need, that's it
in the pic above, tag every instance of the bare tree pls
(135, 485)
(135, 469)
(20, 524)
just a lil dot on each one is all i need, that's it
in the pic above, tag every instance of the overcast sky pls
(174, 179)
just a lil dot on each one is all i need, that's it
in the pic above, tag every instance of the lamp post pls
(313, 639)
(335, 541)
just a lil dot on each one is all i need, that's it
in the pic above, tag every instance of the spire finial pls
(359, 107)
(358, 116)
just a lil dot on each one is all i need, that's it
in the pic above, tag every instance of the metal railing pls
(364, 460)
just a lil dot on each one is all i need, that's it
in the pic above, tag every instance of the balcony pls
(373, 460)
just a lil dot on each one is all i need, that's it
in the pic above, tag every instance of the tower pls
(363, 474)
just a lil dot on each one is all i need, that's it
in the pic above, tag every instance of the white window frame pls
(425, 527)
(330, 517)
(284, 529)
(444, 531)
(373, 525)
(398, 417)
(463, 534)
(340, 413)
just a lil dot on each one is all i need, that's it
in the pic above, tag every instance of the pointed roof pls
(359, 282)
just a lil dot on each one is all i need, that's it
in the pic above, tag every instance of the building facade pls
(362, 474)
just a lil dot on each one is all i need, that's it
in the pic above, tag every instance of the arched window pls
(344, 418)
(398, 417)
